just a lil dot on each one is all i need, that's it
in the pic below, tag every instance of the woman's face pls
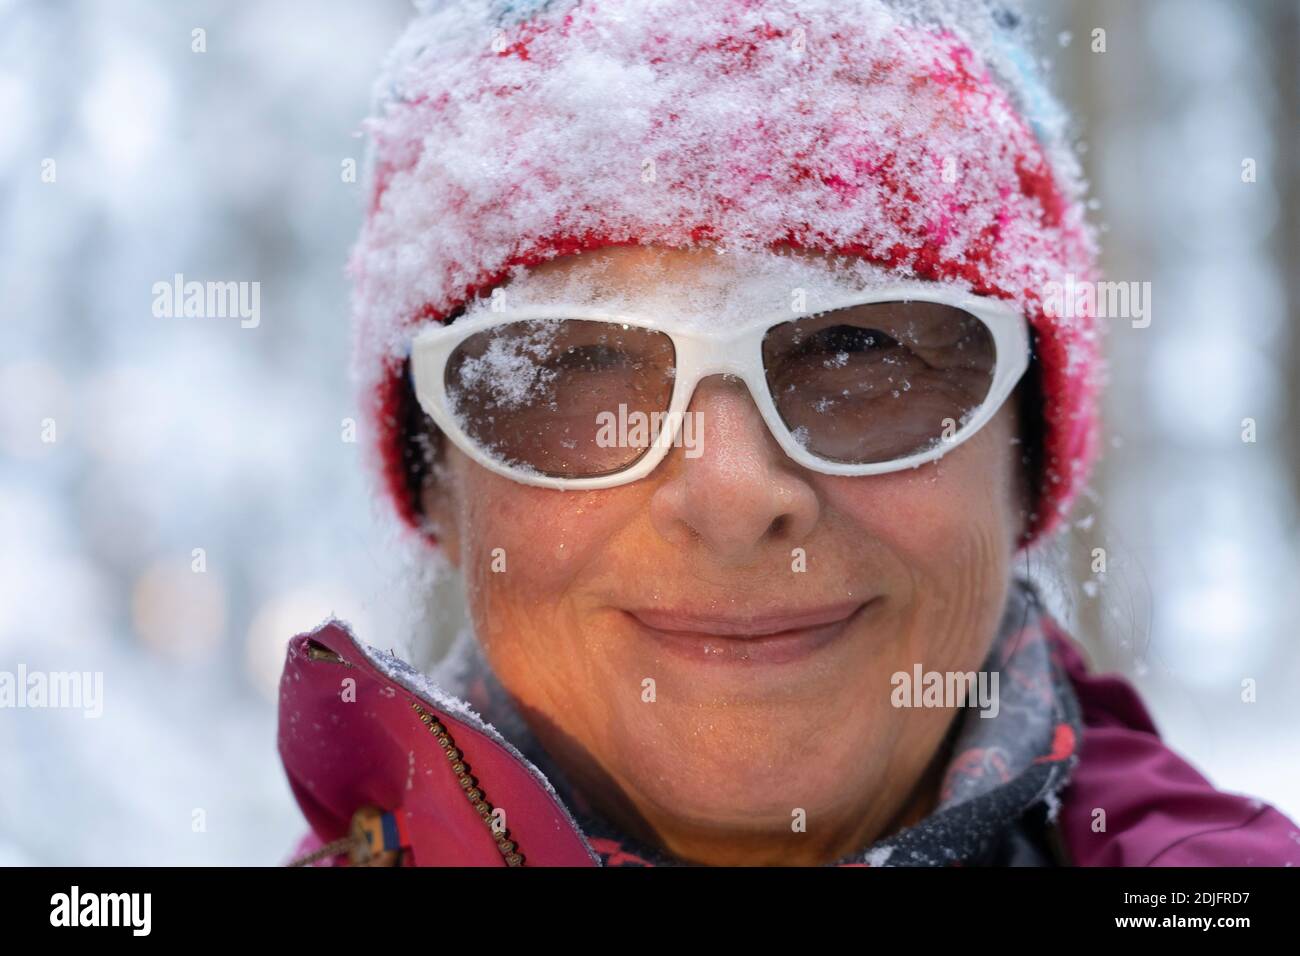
(628, 624)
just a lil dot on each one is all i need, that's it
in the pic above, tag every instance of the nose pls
(741, 494)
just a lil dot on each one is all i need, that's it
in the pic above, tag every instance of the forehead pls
(705, 284)
(655, 268)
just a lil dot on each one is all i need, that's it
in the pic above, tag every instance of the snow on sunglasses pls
(873, 383)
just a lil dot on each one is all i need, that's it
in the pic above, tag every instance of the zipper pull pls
(375, 838)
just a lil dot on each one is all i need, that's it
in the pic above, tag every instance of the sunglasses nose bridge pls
(732, 356)
(719, 354)
(707, 356)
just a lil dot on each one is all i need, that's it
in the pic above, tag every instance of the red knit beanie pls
(511, 133)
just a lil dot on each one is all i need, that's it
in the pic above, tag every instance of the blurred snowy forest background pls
(198, 434)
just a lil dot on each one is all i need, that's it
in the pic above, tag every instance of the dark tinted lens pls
(878, 382)
(543, 394)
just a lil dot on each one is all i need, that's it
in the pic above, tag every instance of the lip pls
(781, 637)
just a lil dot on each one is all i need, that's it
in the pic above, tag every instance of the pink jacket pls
(361, 729)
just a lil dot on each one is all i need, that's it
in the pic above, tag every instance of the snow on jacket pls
(444, 772)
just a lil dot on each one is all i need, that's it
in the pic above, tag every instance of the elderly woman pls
(709, 342)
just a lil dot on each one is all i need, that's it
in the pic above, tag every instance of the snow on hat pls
(912, 134)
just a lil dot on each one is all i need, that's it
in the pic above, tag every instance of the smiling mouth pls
(778, 638)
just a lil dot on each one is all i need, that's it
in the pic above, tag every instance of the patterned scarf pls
(999, 791)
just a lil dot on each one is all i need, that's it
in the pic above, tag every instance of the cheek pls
(941, 539)
(941, 522)
(544, 538)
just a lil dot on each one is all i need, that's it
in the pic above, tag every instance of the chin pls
(745, 772)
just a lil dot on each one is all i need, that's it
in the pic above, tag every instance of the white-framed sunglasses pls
(871, 383)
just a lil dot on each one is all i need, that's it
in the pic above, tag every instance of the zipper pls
(473, 792)
(373, 838)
